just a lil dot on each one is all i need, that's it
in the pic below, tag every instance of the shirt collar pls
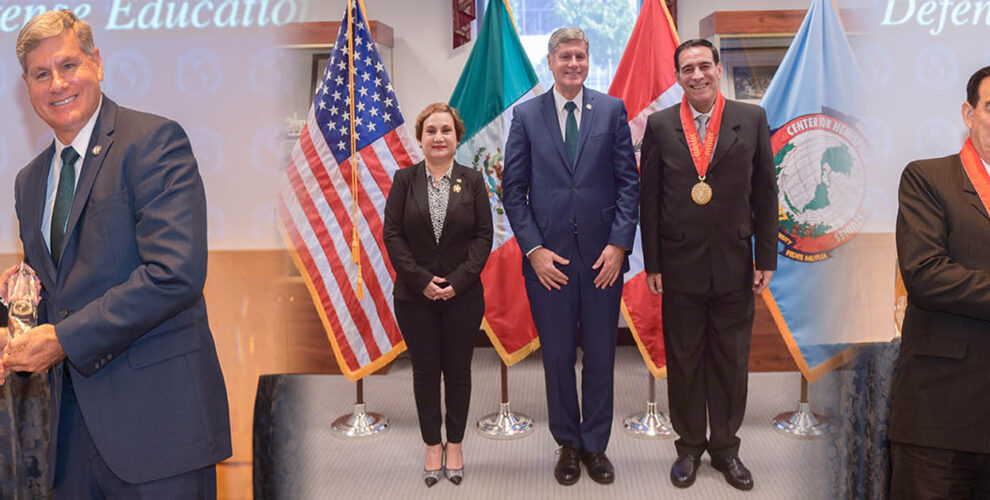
(429, 176)
(81, 141)
(559, 100)
(695, 113)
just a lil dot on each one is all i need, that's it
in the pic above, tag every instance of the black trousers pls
(707, 341)
(440, 337)
(920, 472)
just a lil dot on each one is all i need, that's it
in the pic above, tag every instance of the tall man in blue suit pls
(570, 190)
(113, 218)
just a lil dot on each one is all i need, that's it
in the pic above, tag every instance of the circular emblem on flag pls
(489, 163)
(821, 184)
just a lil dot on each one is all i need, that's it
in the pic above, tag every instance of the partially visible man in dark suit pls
(112, 217)
(940, 408)
(570, 192)
(708, 187)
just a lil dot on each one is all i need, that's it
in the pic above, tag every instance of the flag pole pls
(355, 179)
(504, 424)
(360, 423)
(653, 423)
(803, 424)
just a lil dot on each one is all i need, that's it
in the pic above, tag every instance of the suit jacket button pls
(63, 313)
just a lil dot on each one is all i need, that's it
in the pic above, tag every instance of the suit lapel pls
(553, 126)
(727, 134)
(34, 208)
(679, 128)
(587, 118)
(422, 198)
(99, 146)
(970, 190)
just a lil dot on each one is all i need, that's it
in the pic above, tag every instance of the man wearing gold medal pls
(709, 208)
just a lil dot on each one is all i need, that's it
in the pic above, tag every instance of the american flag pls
(317, 200)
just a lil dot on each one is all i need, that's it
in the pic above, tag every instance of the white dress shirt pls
(80, 143)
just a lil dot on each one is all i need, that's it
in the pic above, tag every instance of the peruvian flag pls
(646, 81)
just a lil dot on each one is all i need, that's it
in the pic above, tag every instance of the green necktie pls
(63, 201)
(571, 132)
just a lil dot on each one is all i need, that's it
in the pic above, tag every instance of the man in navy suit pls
(570, 190)
(112, 217)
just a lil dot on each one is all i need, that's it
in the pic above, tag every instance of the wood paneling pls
(325, 32)
(754, 22)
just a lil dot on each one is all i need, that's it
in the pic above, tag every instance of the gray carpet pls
(390, 465)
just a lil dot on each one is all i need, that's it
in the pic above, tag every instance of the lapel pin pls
(588, 105)
(456, 188)
(97, 149)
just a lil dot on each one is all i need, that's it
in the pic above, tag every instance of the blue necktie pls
(571, 132)
(63, 201)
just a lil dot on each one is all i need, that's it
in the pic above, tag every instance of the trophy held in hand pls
(21, 293)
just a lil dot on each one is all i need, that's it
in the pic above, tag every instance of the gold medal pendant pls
(701, 192)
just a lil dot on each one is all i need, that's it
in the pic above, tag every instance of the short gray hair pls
(49, 24)
(564, 35)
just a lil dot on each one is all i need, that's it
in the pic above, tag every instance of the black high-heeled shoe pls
(453, 475)
(432, 477)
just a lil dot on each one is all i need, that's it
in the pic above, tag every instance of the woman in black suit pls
(438, 233)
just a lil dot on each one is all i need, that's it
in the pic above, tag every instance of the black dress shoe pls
(685, 470)
(736, 474)
(568, 469)
(599, 467)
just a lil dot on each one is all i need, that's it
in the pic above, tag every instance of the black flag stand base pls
(803, 424)
(653, 423)
(361, 423)
(504, 424)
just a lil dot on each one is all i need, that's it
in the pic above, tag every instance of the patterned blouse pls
(439, 194)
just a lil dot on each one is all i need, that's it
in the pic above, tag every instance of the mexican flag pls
(498, 76)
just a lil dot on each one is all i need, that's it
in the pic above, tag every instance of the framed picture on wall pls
(320, 61)
(748, 70)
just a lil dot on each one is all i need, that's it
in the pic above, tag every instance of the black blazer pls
(694, 245)
(940, 392)
(465, 242)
